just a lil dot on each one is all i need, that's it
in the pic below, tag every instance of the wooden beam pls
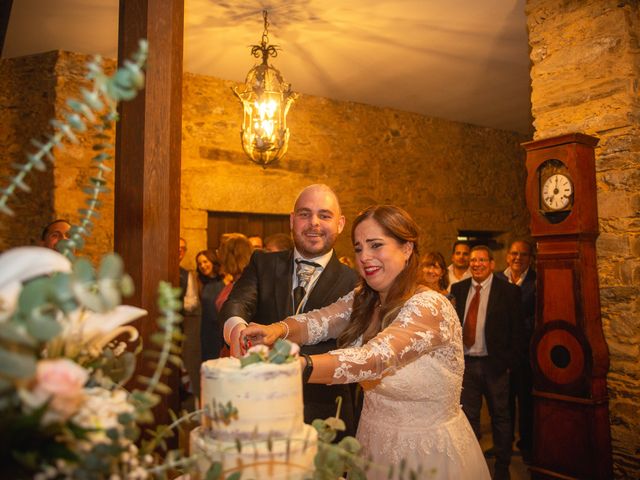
(148, 146)
(5, 13)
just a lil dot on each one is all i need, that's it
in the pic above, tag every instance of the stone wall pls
(27, 96)
(448, 175)
(585, 78)
(34, 89)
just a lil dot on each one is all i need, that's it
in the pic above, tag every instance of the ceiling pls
(463, 60)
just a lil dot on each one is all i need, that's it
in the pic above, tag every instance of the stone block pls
(616, 203)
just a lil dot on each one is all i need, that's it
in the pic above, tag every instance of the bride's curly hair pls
(397, 224)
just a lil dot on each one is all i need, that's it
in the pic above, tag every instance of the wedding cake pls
(254, 421)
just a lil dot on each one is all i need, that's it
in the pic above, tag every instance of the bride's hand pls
(256, 334)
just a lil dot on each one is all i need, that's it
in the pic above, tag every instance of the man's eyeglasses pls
(519, 254)
(480, 260)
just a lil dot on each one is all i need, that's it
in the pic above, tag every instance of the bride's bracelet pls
(286, 329)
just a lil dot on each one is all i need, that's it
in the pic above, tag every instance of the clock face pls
(557, 191)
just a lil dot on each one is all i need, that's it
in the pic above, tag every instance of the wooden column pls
(5, 13)
(148, 142)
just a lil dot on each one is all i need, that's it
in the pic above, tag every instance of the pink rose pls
(295, 349)
(61, 381)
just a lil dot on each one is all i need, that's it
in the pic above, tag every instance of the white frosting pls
(268, 398)
(276, 458)
(274, 441)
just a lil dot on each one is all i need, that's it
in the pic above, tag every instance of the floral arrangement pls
(64, 359)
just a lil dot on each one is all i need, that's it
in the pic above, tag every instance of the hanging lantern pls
(266, 99)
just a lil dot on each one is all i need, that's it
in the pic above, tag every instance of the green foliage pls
(278, 354)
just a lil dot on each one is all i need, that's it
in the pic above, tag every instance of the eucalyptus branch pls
(163, 432)
(123, 85)
(179, 463)
(169, 304)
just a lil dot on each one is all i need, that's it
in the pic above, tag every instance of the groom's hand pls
(236, 342)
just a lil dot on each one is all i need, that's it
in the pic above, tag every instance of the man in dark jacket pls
(520, 273)
(279, 284)
(491, 312)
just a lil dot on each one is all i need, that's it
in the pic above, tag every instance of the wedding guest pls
(459, 268)
(190, 327)
(302, 279)
(403, 342)
(54, 232)
(234, 254)
(346, 261)
(278, 242)
(188, 282)
(520, 273)
(210, 285)
(434, 270)
(256, 242)
(491, 312)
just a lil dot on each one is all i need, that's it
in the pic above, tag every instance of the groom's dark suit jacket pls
(504, 323)
(263, 294)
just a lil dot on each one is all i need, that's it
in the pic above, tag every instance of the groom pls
(269, 289)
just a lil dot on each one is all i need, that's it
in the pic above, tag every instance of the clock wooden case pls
(569, 354)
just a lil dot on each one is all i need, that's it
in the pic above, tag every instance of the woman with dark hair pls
(210, 285)
(403, 342)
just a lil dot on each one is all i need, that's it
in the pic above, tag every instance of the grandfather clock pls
(569, 355)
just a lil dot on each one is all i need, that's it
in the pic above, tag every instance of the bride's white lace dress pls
(411, 373)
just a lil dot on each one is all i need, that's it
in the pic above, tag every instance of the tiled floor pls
(519, 470)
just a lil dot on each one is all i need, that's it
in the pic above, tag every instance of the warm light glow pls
(266, 99)
(264, 125)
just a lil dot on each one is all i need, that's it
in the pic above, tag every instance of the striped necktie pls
(304, 272)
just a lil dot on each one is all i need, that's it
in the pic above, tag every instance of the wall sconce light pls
(266, 99)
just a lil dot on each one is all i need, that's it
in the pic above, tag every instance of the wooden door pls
(249, 224)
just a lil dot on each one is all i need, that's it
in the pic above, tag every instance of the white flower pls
(100, 412)
(24, 263)
(84, 327)
(261, 350)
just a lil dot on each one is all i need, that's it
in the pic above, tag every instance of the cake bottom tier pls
(278, 458)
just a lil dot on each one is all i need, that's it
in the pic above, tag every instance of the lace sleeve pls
(318, 325)
(425, 323)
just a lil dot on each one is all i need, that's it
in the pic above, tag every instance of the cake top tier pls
(232, 367)
(260, 398)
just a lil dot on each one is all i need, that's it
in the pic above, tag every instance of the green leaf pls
(111, 267)
(214, 472)
(92, 99)
(234, 476)
(43, 327)
(83, 271)
(33, 295)
(249, 359)
(16, 334)
(350, 444)
(76, 122)
(336, 424)
(17, 365)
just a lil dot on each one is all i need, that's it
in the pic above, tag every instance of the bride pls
(403, 343)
